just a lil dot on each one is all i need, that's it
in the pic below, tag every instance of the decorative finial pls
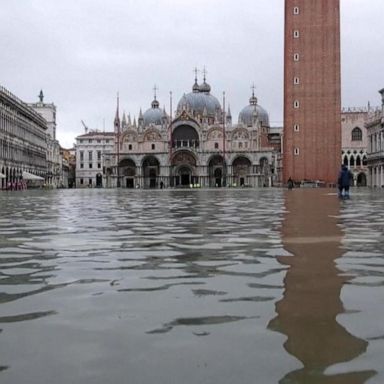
(253, 87)
(196, 71)
(41, 96)
(253, 99)
(155, 88)
(205, 73)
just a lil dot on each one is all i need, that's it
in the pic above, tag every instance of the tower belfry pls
(312, 90)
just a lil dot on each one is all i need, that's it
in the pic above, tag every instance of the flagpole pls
(170, 139)
(117, 122)
(224, 167)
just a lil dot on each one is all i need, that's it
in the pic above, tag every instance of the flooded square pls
(191, 286)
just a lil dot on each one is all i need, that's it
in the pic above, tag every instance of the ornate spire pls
(41, 96)
(117, 116)
(124, 120)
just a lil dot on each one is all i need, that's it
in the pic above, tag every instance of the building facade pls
(355, 143)
(312, 90)
(54, 159)
(22, 142)
(91, 149)
(375, 132)
(199, 147)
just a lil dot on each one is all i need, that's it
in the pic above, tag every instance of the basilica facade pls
(199, 147)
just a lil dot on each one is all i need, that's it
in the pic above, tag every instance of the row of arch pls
(12, 177)
(184, 171)
(355, 160)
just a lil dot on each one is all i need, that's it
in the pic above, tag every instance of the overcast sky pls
(82, 52)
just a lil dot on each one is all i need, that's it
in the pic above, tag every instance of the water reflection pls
(307, 313)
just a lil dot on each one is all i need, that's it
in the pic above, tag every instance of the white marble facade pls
(199, 147)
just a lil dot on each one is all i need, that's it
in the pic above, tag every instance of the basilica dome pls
(200, 101)
(248, 113)
(153, 115)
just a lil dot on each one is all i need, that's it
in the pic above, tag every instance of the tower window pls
(296, 57)
(296, 104)
(216, 145)
(296, 128)
(153, 146)
(296, 10)
(296, 34)
(296, 151)
(130, 147)
(296, 80)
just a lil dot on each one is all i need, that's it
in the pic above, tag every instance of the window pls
(296, 34)
(81, 155)
(130, 147)
(90, 165)
(81, 141)
(90, 181)
(296, 57)
(296, 151)
(99, 141)
(216, 145)
(99, 165)
(357, 134)
(107, 141)
(240, 145)
(81, 181)
(296, 128)
(99, 155)
(296, 104)
(90, 155)
(296, 10)
(153, 146)
(296, 81)
(90, 141)
(81, 165)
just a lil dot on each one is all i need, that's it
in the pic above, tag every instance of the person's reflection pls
(307, 312)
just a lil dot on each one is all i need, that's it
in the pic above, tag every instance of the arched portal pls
(99, 180)
(185, 136)
(241, 168)
(184, 171)
(217, 171)
(361, 180)
(151, 172)
(127, 172)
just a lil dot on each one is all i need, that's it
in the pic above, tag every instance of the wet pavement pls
(191, 286)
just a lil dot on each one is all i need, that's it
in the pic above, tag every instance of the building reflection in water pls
(307, 312)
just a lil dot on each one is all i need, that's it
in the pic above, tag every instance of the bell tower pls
(312, 90)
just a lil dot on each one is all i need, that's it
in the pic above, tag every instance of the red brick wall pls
(319, 91)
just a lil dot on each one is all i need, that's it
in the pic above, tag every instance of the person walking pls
(344, 181)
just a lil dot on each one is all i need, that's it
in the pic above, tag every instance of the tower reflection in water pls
(307, 312)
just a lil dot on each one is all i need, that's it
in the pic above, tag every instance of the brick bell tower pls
(312, 91)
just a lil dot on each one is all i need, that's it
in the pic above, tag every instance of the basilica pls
(197, 148)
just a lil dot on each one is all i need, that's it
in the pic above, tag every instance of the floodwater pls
(191, 287)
